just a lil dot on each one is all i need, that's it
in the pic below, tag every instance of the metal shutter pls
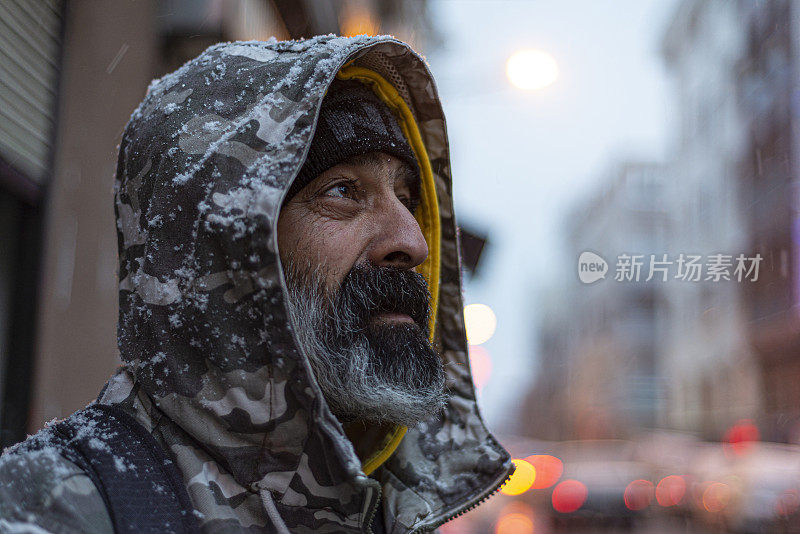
(29, 50)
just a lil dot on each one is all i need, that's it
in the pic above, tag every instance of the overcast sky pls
(520, 160)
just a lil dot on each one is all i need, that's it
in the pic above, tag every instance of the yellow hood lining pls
(427, 216)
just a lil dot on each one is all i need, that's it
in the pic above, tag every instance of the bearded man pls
(290, 311)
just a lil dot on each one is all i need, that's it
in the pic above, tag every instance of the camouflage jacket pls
(212, 369)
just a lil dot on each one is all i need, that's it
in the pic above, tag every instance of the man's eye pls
(341, 190)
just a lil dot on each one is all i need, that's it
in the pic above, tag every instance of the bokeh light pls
(522, 479)
(740, 438)
(480, 322)
(671, 490)
(716, 497)
(569, 496)
(787, 503)
(514, 523)
(548, 470)
(531, 69)
(516, 517)
(481, 365)
(354, 20)
(639, 494)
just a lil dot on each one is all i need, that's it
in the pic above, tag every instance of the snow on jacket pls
(212, 369)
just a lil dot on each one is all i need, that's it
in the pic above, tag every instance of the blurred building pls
(70, 76)
(696, 355)
(768, 89)
(31, 34)
(706, 356)
(736, 69)
(599, 375)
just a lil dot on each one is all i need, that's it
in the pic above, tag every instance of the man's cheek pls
(337, 249)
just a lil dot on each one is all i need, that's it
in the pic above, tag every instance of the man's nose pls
(398, 241)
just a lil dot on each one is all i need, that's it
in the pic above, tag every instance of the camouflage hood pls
(203, 324)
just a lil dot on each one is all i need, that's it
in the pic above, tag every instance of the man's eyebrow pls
(404, 173)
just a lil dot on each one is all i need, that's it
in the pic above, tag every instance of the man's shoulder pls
(41, 490)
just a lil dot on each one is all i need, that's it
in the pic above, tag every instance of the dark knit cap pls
(352, 121)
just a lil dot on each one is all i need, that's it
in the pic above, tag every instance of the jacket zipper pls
(373, 509)
(474, 503)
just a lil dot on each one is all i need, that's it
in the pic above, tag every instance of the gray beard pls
(349, 361)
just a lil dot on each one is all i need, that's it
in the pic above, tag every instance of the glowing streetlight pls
(531, 69)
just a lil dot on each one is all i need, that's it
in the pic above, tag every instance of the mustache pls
(367, 291)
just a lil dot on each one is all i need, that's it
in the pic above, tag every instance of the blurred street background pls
(642, 132)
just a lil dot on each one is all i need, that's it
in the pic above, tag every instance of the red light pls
(671, 490)
(548, 470)
(569, 496)
(740, 437)
(639, 494)
(481, 365)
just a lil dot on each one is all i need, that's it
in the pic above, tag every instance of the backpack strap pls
(142, 488)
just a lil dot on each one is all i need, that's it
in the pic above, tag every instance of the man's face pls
(357, 212)
(349, 242)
